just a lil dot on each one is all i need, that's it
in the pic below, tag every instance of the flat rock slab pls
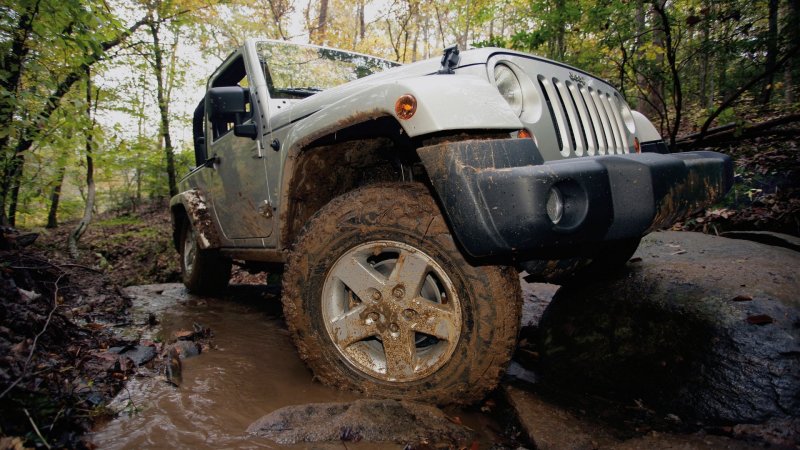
(704, 327)
(361, 420)
(550, 427)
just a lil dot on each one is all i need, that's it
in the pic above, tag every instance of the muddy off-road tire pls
(203, 271)
(380, 300)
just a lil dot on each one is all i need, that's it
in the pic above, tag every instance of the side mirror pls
(228, 104)
(224, 102)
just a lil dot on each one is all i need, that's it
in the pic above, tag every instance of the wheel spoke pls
(410, 270)
(352, 327)
(434, 319)
(401, 353)
(358, 276)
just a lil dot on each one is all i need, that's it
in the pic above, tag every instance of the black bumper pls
(494, 193)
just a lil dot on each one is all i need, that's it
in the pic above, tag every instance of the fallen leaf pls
(742, 298)
(183, 334)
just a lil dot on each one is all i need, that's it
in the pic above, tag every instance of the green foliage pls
(717, 47)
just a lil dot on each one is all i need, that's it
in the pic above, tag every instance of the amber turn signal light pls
(636, 145)
(405, 106)
(524, 134)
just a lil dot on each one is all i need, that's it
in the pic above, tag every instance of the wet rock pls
(361, 420)
(139, 354)
(766, 237)
(698, 441)
(700, 326)
(780, 433)
(549, 427)
(516, 373)
(173, 368)
(535, 298)
(185, 349)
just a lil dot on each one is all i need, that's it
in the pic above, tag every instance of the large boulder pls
(704, 327)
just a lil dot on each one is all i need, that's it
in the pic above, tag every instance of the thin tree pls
(163, 105)
(76, 234)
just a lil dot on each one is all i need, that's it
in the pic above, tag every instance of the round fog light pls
(555, 205)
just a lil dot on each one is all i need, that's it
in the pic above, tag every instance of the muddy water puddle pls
(250, 370)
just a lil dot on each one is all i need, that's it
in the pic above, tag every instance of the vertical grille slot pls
(615, 106)
(602, 143)
(603, 114)
(575, 120)
(557, 114)
(618, 141)
(587, 127)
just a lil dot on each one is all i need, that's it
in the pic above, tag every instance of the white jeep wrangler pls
(403, 200)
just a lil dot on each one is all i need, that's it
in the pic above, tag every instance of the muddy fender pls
(191, 205)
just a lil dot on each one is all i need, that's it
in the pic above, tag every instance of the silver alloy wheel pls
(189, 250)
(391, 311)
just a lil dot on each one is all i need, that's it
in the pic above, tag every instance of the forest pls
(96, 105)
(95, 96)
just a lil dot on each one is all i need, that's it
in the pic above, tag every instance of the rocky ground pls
(693, 345)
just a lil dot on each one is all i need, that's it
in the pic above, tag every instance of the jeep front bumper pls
(495, 192)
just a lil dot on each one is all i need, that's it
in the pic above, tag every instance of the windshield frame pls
(300, 90)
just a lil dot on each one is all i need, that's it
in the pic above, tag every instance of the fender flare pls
(192, 206)
(462, 103)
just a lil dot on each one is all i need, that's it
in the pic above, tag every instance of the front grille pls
(587, 120)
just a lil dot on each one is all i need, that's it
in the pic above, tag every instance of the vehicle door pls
(239, 193)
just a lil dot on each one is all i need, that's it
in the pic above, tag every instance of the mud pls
(250, 370)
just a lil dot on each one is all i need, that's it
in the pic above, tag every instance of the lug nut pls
(376, 295)
(394, 328)
(399, 291)
(373, 317)
(409, 314)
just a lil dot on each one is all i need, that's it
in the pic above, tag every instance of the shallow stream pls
(251, 370)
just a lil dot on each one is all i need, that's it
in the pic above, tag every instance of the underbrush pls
(131, 247)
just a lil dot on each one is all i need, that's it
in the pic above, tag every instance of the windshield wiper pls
(300, 91)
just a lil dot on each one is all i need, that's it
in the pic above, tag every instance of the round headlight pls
(509, 87)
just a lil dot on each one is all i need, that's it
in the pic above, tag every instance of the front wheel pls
(380, 300)
(203, 271)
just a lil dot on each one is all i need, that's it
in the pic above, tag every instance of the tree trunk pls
(322, 22)
(163, 108)
(362, 28)
(772, 52)
(705, 97)
(16, 178)
(76, 234)
(793, 35)
(644, 97)
(12, 65)
(465, 39)
(560, 44)
(55, 198)
(671, 50)
(30, 132)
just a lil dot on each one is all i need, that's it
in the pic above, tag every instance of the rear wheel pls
(204, 271)
(379, 299)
